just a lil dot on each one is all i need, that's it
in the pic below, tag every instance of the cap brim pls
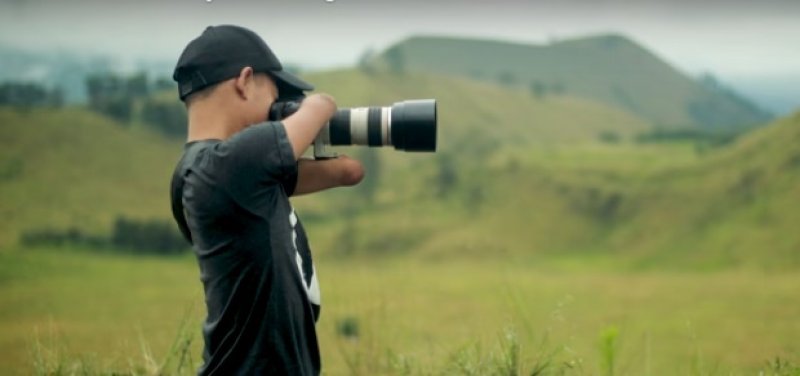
(289, 81)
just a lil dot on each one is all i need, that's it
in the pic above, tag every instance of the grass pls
(527, 176)
(74, 312)
(552, 253)
(77, 168)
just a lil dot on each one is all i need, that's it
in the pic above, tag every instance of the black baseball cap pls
(220, 53)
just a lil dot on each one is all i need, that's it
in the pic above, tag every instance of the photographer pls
(230, 195)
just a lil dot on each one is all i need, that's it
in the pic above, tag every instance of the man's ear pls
(243, 82)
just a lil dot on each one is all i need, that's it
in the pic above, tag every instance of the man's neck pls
(208, 122)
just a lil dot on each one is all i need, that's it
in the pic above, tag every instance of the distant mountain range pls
(67, 70)
(779, 93)
(513, 175)
(611, 69)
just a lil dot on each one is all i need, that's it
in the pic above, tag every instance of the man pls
(230, 198)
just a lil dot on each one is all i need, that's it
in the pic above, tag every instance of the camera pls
(409, 125)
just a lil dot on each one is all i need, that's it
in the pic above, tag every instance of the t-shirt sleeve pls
(260, 154)
(290, 183)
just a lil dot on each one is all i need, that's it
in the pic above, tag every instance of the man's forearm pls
(317, 175)
(304, 125)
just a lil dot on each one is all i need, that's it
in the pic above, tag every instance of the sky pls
(733, 38)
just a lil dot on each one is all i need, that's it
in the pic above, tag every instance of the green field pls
(102, 313)
(543, 233)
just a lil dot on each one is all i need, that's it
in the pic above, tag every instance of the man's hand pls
(303, 126)
(317, 175)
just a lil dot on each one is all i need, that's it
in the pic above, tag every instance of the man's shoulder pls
(193, 152)
(256, 157)
(264, 130)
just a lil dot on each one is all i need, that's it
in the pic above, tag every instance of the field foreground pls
(99, 313)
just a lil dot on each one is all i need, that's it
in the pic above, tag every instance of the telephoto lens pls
(408, 125)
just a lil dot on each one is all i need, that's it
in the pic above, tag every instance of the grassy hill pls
(611, 69)
(648, 204)
(733, 206)
(643, 206)
(514, 176)
(549, 187)
(74, 168)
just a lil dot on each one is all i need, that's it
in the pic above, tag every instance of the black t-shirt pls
(260, 284)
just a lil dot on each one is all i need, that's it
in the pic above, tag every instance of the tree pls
(151, 236)
(168, 117)
(164, 83)
(446, 176)
(475, 198)
(538, 89)
(506, 78)
(371, 160)
(102, 86)
(365, 61)
(119, 108)
(109, 95)
(28, 94)
(395, 59)
(137, 85)
(609, 137)
(56, 97)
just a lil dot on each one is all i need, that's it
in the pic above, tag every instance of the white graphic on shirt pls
(312, 289)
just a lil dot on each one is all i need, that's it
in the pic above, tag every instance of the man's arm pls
(303, 126)
(317, 175)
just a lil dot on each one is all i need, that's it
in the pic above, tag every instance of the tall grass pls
(505, 357)
(51, 356)
(608, 349)
(450, 319)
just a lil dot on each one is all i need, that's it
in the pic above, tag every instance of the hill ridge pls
(609, 67)
(514, 176)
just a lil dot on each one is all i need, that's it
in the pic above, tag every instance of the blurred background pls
(616, 188)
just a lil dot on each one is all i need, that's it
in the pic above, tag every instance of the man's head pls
(236, 65)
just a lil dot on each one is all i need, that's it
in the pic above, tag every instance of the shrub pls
(144, 236)
(26, 95)
(609, 137)
(58, 238)
(150, 236)
(168, 118)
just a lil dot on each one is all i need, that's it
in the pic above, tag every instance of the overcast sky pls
(731, 38)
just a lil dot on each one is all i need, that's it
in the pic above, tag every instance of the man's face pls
(263, 95)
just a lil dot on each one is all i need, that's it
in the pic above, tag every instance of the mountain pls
(67, 167)
(611, 69)
(480, 112)
(779, 93)
(67, 70)
(513, 176)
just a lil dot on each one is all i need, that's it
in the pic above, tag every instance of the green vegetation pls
(73, 168)
(566, 192)
(107, 313)
(547, 235)
(514, 175)
(148, 236)
(29, 95)
(128, 98)
(610, 69)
